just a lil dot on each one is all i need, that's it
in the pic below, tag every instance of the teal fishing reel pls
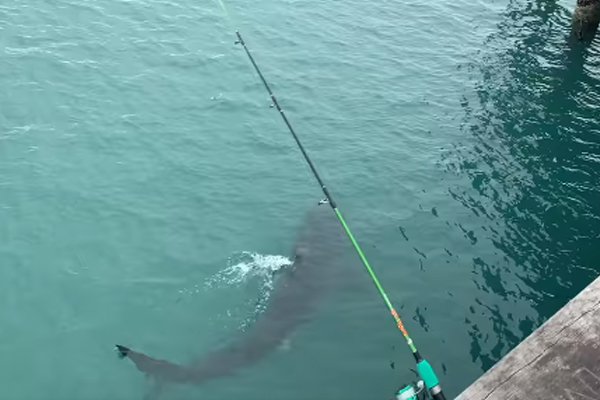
(414, 391)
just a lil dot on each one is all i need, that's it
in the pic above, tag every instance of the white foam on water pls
(248, 265)
(242, 268)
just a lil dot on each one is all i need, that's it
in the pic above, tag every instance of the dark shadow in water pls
(534, 167)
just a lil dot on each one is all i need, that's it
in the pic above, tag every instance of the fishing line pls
(423, 367)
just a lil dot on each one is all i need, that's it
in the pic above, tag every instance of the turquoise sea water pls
(139, 158)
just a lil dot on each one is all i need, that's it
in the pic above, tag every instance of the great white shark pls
(298, 291)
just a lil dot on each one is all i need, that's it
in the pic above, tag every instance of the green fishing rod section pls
(423, 367)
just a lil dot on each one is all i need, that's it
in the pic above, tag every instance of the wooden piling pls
(586, 17)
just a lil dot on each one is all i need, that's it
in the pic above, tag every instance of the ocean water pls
(144, 176)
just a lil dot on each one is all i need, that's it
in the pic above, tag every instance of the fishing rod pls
(423, 367)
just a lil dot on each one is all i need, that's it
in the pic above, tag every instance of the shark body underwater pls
(298, 290)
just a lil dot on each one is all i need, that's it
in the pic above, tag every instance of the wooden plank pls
(560, 360)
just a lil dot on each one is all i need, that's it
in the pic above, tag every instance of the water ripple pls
(534, 166)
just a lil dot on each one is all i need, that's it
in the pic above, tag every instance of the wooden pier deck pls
(560, 360)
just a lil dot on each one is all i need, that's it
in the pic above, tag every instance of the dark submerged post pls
(586, 17)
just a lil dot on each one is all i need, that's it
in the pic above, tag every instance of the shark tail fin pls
(122, 351)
